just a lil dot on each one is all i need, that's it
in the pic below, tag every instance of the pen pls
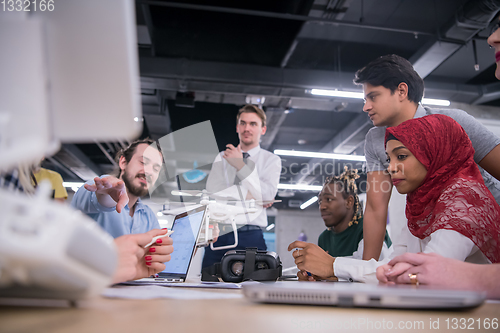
(157, 237)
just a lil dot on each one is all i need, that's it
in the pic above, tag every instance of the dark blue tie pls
(237, 181)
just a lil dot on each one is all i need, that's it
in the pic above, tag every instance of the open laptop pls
(347, 294)
(187, 227)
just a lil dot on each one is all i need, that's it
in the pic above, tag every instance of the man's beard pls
(138, 191)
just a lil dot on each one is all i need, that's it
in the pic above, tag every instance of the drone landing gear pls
(232, 246)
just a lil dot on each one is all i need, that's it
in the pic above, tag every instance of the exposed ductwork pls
(470, 19)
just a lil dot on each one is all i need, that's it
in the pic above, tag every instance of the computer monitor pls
(68, 75)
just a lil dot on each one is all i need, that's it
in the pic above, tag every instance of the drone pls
(217, 212)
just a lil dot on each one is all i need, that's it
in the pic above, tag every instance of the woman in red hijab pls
(431, 159)
(436, 270)
(450, 211)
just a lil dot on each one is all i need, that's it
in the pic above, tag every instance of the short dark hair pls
(130, 151)
(389, 71)
(249, 108)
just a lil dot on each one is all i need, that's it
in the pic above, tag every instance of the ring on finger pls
(413, 279)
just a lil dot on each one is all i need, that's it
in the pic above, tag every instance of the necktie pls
(237, 181)
(245, 157)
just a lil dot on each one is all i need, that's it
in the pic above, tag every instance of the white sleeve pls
(386, 252)
(365, 271)
(262, 183)
(357, 270)
(406, 242)
(353, 268)
(221, 178)
(449, 244)
(358, 254)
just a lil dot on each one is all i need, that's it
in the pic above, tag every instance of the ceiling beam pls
(105, 152)
(355, 141)
(469, 20)
(480, 112)
(54, 160)
(273, 127)
(154, 68)
(284, 16)
(289, 53)
(192, 75)
(149, 24)
(489, 92)
(432, 55)
(75, 160)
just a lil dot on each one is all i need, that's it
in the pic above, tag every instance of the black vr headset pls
(243, 265)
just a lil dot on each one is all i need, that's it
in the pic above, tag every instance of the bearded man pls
(114, 202)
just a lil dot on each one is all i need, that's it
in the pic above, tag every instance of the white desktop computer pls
(69, 73)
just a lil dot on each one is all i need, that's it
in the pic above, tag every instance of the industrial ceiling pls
(203, 60)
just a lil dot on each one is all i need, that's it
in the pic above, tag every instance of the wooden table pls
(233, 315)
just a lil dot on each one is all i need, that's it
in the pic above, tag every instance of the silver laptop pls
(347, 294)
(187, 227)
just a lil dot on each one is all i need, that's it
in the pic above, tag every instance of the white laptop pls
(347, 294)
(187, 227)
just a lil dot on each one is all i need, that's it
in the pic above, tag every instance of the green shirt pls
(345, 243)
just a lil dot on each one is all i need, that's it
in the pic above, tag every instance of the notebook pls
(347, 294)
(187, 227)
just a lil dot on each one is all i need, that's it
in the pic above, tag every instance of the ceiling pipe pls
(470, 19)
(279, 16)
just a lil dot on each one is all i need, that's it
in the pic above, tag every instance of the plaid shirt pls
(10, 181)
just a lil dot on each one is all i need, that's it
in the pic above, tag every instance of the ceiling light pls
(431, 101)
(300, 187)
(336, 93)
(159, 214)
(309, 202)
(270, 227)
(255, 100)
(360, 95)
(311, 154)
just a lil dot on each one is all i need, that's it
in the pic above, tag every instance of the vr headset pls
(242, 265)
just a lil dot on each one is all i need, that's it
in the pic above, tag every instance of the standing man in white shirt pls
(242, 173)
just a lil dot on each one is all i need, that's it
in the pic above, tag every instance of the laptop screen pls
(186, 229)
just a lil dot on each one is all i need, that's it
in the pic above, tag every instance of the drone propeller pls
(198, 193)
(258, 202)
(232, 200)
(178, 203)
(178, 209)
(188, 193)
(192, 192)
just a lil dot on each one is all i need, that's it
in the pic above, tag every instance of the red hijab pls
(453, 195)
